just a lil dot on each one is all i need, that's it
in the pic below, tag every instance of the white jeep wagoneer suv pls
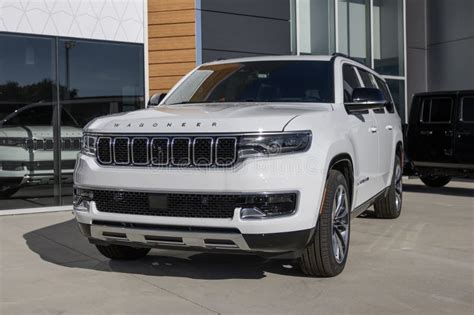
(268, 155)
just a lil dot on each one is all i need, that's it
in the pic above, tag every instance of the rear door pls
(464, 130)
(434, 135)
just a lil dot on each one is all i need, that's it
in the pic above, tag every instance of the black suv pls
(440, 137)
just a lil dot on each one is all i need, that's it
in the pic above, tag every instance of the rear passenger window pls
(351, 81)
(437, 110)
(467, 109)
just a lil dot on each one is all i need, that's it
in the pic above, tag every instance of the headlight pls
(89, 144)
(274, 144)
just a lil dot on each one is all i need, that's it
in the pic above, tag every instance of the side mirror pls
(156, 99)
(365, 99)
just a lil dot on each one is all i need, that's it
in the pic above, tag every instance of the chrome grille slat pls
(104, 150)
(121, 150)
(224, 147)
(160, 151)
(140, 151)
(172, 151)
(181, 151)
(202, 151)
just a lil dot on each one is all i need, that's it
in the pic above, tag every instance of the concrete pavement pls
(421, 263)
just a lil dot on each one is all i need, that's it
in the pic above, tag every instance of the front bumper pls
(297, 173)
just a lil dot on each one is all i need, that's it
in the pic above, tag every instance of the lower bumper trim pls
(196, 238)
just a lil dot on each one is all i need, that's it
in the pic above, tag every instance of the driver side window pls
(350, 81)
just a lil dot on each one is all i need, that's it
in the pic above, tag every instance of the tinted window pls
(437, 110)
(262, 81)
(351, 81)
(468, 109)
(397, 90)
(366, 78)
(386, 92)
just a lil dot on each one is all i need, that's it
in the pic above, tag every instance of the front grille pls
(221, 206)
(178, 151)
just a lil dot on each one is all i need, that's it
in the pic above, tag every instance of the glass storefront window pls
(316, 27)
(354, 29)
(388, 37)
(370, 31)
(27, 90)
(95, 78)
(397, 89)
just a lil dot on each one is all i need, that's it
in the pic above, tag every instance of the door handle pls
(373, 129)
(389, 127)
(426, 132)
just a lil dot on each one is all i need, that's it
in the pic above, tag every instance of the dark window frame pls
(461, 115)
(430, 99)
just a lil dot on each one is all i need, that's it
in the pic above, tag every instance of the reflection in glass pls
(27, 90)
(354, 29)
(96, 79)
(397, 88)
(316, 27)
(388, 37)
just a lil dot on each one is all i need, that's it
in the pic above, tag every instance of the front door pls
(434, 135)
(364, 136)
(464, 130)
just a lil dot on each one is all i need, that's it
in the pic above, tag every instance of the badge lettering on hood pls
(168, 124)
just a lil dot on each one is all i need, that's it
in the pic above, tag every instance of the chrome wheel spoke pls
(342, 214)
(398, 187)
(340, 224)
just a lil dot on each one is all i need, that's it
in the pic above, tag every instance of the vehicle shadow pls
(62, 244)
(447, 190)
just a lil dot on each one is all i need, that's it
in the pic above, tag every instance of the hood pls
(215, 117)
(38, 132)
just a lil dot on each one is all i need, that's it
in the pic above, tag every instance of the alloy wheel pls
(340, 224)
(398, 187)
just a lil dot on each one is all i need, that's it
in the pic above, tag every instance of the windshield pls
(258, 81)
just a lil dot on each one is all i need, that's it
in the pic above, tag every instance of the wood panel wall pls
(171, 42)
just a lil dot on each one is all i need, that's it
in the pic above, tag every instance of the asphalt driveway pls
(421, 263)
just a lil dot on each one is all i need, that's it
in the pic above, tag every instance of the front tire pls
(435, 181)
(390, 205)
(326, 255)
(120, 252)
